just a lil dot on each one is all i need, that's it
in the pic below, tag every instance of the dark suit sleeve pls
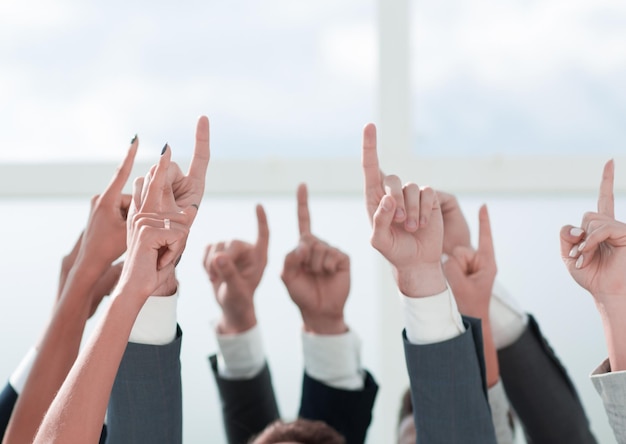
(146, 400)
(248, 405)
(448, 389)
(347, 411)
(8, 397)
(541, 392)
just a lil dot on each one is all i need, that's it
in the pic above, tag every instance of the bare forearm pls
(613, 311)
(491, 354)
(57, 351)
(78, 410)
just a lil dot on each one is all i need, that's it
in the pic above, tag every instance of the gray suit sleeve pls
(612, 389)
(541, 392)
(448, 389)
(248, 405)
(146, 400)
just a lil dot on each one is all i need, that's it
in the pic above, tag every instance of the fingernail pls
(576, 231)
(573, 251)
(582, 245)
(386, 205)
(399, 213)
(411, 224)
(164, 149)
(444, 258)
(579, 261)
(134, 139)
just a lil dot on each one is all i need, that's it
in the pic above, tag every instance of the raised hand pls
(155, 238)
(104, 239)
(317, 277)
(407, 225)
(595, 252)
(235, 269)
(471, 273)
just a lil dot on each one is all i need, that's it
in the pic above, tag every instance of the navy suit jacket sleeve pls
(248, 405)
(448, 389)
(347, 411)
(541, 392)
(146, 400)
(8, 397)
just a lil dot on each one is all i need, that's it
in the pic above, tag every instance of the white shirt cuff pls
(508, 320)
(156, 322)
(432, 319)
(500, 409)
(334, 360)
(241, 356)
(20, 375)
(603, 369)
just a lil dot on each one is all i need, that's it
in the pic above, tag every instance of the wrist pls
(233, 325)
(324, 325)
(421, 281)
(168, 288)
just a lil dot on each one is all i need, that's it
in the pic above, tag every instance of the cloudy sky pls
(298, 79)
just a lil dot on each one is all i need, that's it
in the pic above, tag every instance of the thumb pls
(383, 218)
(293, 262)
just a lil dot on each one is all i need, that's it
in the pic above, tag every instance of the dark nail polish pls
(134, 139)
(164, 149)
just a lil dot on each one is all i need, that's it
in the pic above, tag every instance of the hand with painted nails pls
(595, 256)
(595, 252)
(317, 277)
(104, 239)
(235, 269)
(156, 235)
(407, 225)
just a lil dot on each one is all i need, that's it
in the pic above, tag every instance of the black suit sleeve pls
(347, 411)
(8, 397)
(248, 405)
(448, 389)
(541, 392)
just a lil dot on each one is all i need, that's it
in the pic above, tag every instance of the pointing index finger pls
(122, 174)
(304, 218)
(605, 198)
(154, 194)
(485, 238)
(201, 152)
(371, 167)
(263, 236)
